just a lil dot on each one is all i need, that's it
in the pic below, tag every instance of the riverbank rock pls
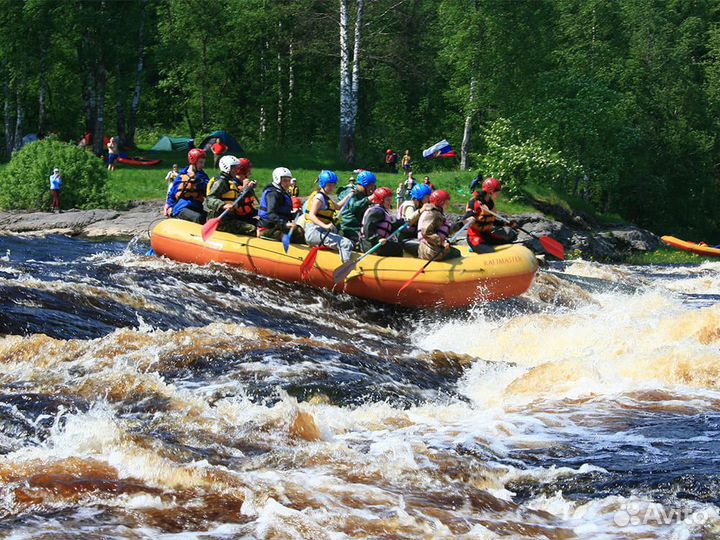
(93, 223)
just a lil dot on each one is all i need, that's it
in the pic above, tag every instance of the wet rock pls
(96, 223)
(635, 238)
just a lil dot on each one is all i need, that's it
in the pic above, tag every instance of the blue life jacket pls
(284, 210)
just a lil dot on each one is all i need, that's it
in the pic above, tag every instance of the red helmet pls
(491, 185)
(439, 197)
(296, 203)
(380, 194)
(245, 165)
(388, 151)
(195, 154)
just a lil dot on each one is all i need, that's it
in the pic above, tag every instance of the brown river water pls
(141, 398)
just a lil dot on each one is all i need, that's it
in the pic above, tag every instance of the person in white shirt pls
(55, 185)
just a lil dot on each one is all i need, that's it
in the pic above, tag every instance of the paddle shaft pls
(242, 195)
(344, 269)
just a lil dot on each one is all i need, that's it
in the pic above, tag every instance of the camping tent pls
(226, 138)
(168, 144)
(27, 139)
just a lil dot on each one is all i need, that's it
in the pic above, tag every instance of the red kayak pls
(139, 162)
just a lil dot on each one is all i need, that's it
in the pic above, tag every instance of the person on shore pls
(391, 161)
(187, 193)
(426, 181)
(276, 207)
(113, 150)
(352, 213)
(484, 233)
(406, 161)
(222, 191)
(410, 183)
(400, 194)
(294, 190)
(349, 187)
(378, 225)
(55, 186)
(320, 217)
(171, 174)
(218, 151)
(434, 229)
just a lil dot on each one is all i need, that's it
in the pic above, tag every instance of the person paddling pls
(378, 225)
(187, 193)
(484, 233)
(222, 192)
(320, 217)
(352, 213)
(434, 229)
(276, 207)
(409, 212)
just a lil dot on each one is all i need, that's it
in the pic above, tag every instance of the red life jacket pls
(484, 224)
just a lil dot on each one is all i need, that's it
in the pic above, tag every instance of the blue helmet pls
(366, 178)
(327, 177)
(420, 191)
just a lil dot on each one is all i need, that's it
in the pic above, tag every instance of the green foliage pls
(26, 179)
(517, 162)
(666, 255)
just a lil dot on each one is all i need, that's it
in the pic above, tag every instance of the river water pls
(141, 398)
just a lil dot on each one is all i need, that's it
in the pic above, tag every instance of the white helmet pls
(227, 163)
(279, 173)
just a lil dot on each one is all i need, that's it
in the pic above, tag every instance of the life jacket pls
(484, 222)
(188, 189)
(384, 227)
(325, 214)
(404, 206)
(244, 207)
(443, 231)
(284, 210)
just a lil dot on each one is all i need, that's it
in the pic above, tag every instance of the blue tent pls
(227, 139)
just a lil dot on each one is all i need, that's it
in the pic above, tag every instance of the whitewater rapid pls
(245, 408)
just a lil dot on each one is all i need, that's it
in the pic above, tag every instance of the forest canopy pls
(619, 101)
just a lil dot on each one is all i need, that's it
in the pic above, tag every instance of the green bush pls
(26, 179)
(518, 161)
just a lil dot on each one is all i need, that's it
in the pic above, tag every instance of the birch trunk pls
(42, 90)
(7, 110)
(263, 82)
(467, 131)
(135, 103)
(345, 85)
(349, 79)
(280, 100)
(19, 115)
(291, 85)
(120, 114)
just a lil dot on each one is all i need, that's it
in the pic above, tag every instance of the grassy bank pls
(140, 183)
(668, 255)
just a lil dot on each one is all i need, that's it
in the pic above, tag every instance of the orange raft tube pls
(456, 283)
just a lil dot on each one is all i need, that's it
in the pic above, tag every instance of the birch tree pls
(349, 77)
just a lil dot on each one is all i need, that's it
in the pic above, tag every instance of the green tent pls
(169, 144)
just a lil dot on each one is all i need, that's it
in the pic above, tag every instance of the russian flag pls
(439, 150)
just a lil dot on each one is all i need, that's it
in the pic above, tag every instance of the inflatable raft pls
(707, 251)
(456, 283)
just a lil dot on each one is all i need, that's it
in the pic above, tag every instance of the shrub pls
(517, 161)
(26, 179)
